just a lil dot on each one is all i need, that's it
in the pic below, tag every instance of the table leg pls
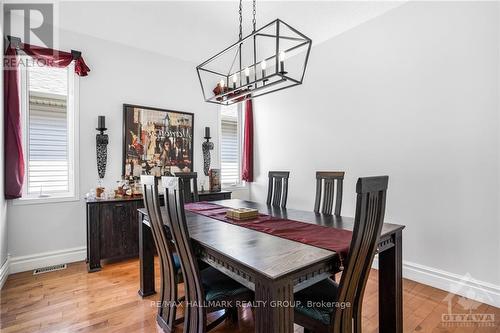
(146, 259)
(274, 306)
(391, 287)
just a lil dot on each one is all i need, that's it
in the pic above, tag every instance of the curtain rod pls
(15, 41)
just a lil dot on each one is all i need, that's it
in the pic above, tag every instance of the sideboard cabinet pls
(112, 230)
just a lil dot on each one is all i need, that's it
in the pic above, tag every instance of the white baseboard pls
(30, 262)
(460, 285)
(4, 272)
(467, 286)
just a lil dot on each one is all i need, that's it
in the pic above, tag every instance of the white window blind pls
(230, 146)
(48, 163)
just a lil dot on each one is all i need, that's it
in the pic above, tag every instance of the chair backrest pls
(368, 221)
(328, 190)
(164, 247)
(194, 315)
(277, 190)
(189, 183)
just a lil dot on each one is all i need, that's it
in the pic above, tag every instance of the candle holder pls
(206, 147)
(102, 141)
(264, 77)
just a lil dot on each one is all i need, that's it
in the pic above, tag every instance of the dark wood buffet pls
(112, 232)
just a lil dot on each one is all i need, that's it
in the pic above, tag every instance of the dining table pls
(274, 267)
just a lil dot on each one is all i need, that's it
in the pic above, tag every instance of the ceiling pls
(195, 30)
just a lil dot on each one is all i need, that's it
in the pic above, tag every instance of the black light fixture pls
(270, 59)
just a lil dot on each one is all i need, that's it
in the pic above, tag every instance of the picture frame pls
(156, 141)
(214, 179)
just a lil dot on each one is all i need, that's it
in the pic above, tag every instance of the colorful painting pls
(156, 142)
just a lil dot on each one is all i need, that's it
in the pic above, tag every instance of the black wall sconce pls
(206, 147)
(101, 141)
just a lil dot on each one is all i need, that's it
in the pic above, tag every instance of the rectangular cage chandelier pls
(270, 59)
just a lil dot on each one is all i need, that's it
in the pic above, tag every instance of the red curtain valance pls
(54, 58)
(14, 158)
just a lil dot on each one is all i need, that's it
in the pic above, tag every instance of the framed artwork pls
(156, 141)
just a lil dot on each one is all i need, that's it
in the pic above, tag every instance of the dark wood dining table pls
(275, 267)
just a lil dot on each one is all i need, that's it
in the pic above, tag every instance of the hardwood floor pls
(73, 300)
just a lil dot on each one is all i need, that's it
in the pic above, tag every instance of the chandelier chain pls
(241, 20)
(254, 21)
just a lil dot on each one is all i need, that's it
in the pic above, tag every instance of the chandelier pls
(270, 59)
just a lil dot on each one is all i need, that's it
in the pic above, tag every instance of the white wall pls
(119, 74)
(3, 205)
(412, 94)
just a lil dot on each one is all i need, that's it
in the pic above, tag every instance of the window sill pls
(40, 201)
(234, 187)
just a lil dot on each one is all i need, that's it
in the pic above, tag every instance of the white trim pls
(433, 277)
(241, 187)
(30, 262)
(74, 127)
(73, 121)
(4, 272)
(240, 184)
(47, 200)
(484, 292)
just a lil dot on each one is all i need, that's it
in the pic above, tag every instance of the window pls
(230, 143)
(49, 135)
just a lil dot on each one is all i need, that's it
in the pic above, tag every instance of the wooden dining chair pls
(189, 183)
(169, 261)
(369, 218)
(205, 289)
(277, 190)
(328, 190)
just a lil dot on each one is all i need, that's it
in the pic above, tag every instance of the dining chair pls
(277, 190)
(339, 317)
(328, 191)
(207, 290)
(189, 183)
(169, 261)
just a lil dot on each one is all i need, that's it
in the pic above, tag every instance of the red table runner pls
(327, 238)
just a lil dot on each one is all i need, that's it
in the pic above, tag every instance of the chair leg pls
(217, 321)
(233, 313)
(357, 319)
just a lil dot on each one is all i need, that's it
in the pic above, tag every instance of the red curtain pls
(14, 158)
(247, 163)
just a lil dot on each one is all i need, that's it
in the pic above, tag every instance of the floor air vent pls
(49, 269)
